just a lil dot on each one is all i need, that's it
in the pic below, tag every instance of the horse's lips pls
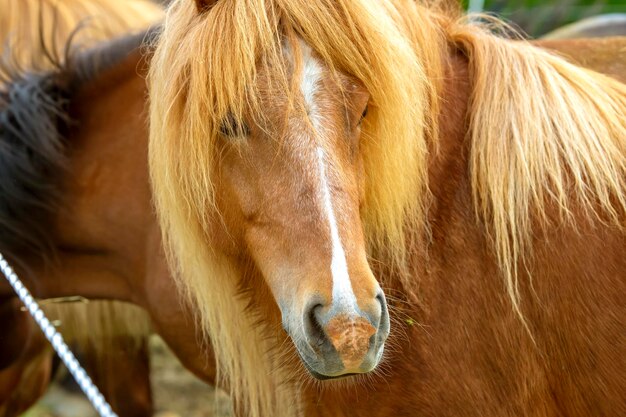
(321, 377)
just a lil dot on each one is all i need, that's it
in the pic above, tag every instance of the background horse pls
(350, 180)
(65, 187)
(34, 35)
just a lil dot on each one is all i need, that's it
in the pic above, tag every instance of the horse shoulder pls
(604, 55)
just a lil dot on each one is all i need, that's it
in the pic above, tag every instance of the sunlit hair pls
(541, 130)
(36, 32)
(546, 135)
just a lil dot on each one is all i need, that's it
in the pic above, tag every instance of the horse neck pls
(447, 173)
(105, 216)
(599, 54)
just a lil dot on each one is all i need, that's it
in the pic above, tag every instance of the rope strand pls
(56, 340)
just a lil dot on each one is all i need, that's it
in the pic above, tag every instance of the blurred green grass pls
(536, 17)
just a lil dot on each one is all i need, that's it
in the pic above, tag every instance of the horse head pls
(292, 185)
(280, 145)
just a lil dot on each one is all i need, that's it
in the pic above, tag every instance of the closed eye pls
(231, 127)
(363, 115)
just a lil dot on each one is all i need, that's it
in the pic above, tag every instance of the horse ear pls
(205, 5)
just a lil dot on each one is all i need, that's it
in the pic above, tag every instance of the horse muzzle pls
(341, 339)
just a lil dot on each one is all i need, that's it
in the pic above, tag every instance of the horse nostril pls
(380, 297)
(313, 327)
(383, 324)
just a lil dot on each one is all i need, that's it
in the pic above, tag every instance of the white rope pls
(55, 338)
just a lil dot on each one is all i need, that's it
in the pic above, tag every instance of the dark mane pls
(33, 116)
(34, 147)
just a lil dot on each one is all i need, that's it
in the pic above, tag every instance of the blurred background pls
(538, 17)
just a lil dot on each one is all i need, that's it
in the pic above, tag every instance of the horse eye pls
(363, 114)
(231, 127)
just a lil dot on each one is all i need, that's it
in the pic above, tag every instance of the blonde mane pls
(36, 31)
(548, 144)
(542, 130)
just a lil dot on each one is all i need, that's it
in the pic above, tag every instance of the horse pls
(296, 150)
(307, 158)
(115, 330)
(43, 109)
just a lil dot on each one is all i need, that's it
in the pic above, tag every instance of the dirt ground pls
(176, 392)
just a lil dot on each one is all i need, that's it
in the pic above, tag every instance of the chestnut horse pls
(304, 156)
(33, 35)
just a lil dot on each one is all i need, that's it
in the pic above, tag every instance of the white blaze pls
(342, 287)
(312, 73)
